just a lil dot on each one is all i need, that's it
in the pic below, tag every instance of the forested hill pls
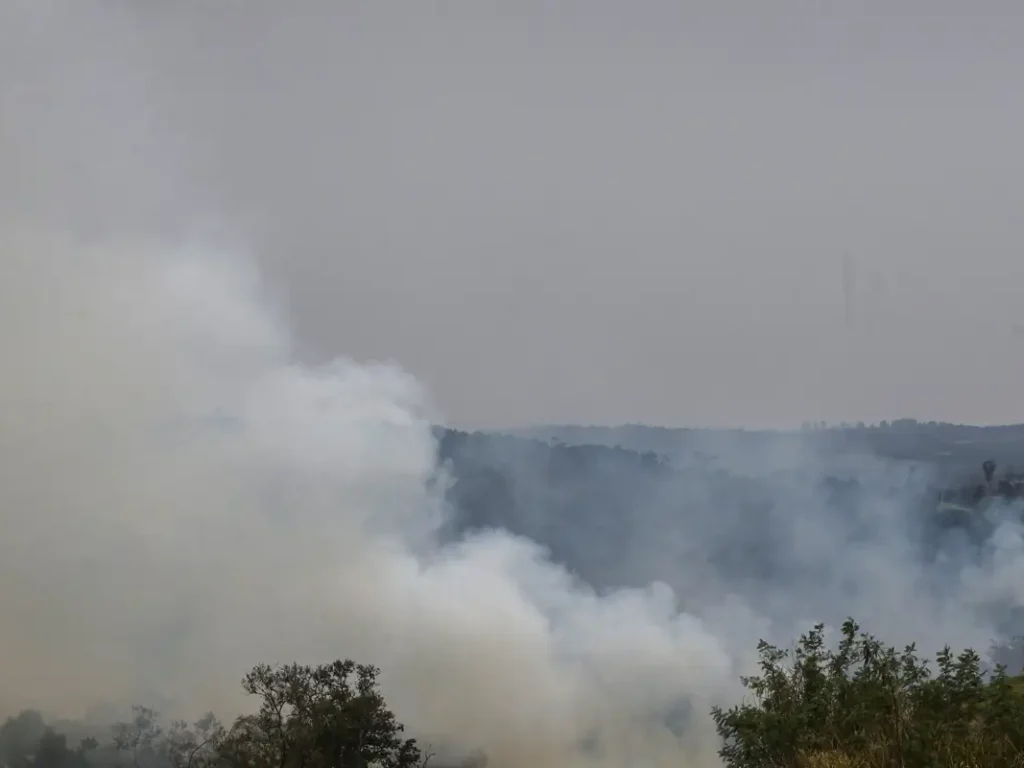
(620, 517)
(955, 450)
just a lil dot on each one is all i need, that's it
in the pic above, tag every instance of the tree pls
(330, 716)
(1009, 654)
(865, 704)
(195, 746)
(140, 739)
(19, 738)
(53, 752)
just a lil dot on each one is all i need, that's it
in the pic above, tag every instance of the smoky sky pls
(213, 214)
(591, 212)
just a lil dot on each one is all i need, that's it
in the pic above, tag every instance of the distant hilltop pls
(955, 451)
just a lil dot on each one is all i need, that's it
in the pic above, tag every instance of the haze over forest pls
(285, 290)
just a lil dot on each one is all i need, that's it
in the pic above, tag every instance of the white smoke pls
(182, 500)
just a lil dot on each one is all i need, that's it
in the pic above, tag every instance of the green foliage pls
(331, 716)
(866, 704)
(860, 704)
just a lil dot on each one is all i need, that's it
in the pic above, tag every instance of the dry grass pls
(882, 759)
(833, 759)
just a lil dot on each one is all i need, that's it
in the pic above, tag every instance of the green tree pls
(330, 716)
(864, 705)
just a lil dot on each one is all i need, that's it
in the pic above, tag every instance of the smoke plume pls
(182, 500)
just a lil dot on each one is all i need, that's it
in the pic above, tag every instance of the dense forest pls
(605, 512)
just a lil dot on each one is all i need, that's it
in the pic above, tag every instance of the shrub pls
(866, 705)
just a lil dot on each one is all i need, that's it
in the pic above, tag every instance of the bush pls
(865, 705)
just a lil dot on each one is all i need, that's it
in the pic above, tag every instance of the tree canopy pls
(328, 716)
(864, 705)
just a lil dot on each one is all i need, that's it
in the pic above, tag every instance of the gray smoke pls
(181, 497)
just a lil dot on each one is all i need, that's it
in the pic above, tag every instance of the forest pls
(602, 510)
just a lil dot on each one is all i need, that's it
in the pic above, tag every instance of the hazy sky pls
(568, 211)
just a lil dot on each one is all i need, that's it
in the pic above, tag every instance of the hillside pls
(954, 450)
(617, 517)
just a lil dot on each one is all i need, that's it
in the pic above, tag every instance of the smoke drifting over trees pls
(184, 499)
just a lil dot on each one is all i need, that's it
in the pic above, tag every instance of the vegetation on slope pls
(602, 512)
(854, 704)
(330, 716)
